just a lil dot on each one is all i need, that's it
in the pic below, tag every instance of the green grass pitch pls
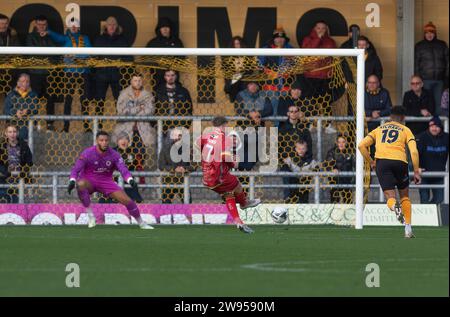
(221, 261)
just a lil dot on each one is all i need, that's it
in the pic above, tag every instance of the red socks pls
(241, 199)
(231, 206)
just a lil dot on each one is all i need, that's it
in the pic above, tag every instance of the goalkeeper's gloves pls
(133, 183)
(71, 186)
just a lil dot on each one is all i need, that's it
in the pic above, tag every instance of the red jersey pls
(217, 157)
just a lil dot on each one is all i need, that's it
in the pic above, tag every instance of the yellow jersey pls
(391, 140)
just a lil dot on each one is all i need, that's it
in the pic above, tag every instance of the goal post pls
(183, 52)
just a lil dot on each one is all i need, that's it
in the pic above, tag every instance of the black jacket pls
(34, 39)
(116, 40)
(26, 159)
(414, 104)
(433, 151)
(431, 59)
(180, 104)
(9, 38)
(161, 41)
(373, 65)
(343, 162)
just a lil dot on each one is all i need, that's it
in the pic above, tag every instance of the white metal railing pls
(315, 185)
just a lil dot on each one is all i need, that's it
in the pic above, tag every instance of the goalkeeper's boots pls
(145, 226)
(244, 228)
(408, 232)
(91, 221)
(399, 214)
(251, 203)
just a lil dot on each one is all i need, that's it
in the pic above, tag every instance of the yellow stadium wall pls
(288, 13)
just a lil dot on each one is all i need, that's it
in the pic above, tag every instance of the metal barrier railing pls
(316, 186)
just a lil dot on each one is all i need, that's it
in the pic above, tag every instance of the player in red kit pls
(217, 161)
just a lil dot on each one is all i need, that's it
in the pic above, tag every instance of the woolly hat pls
(435, 121)
(430, 27)
(280, 32)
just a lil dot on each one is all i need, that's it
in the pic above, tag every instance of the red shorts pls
(228, 184)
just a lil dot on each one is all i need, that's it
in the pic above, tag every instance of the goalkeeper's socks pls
(133, 210)
(391, 202)
(406, 209)
(231, 206)
(84, 197)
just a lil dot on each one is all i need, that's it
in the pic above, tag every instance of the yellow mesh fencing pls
(203, 79)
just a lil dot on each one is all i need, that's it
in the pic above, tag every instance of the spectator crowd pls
(278, 94)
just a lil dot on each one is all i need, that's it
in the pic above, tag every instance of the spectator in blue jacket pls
(433, 154)
(73, 38)
(111, 36)
(377, 102)
(252, 98)
(21, 102)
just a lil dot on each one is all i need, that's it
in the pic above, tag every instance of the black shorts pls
(392, 173)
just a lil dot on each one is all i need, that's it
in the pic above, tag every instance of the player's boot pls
(145, 226)
(399, 214)
(408, 232)
(91, 221)
(244, 228)
(251, 203)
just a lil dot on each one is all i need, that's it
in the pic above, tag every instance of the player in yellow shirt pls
(391, 163)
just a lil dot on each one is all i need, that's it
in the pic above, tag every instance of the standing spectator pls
(377, 102)
(297, 162)
(372, 61)
(15, 156)
(294, 129)
(274, 67)
(431, 63)
(8, 37)
(295, 97)
(172, 99)
(433, 154)
(174, 142)
(39, 37)
(136, 101)
(349, 42)
(73, 38)
(22, 102)
(444, 103)
(252, 98)
(165, 37)
(318, 81)
(134, 162)
(250, 129)
(111, 36)
(319, 38)
(342, 160)
(237, 64)
(418, 102)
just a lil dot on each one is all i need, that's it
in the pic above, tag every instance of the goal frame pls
(360, 73)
